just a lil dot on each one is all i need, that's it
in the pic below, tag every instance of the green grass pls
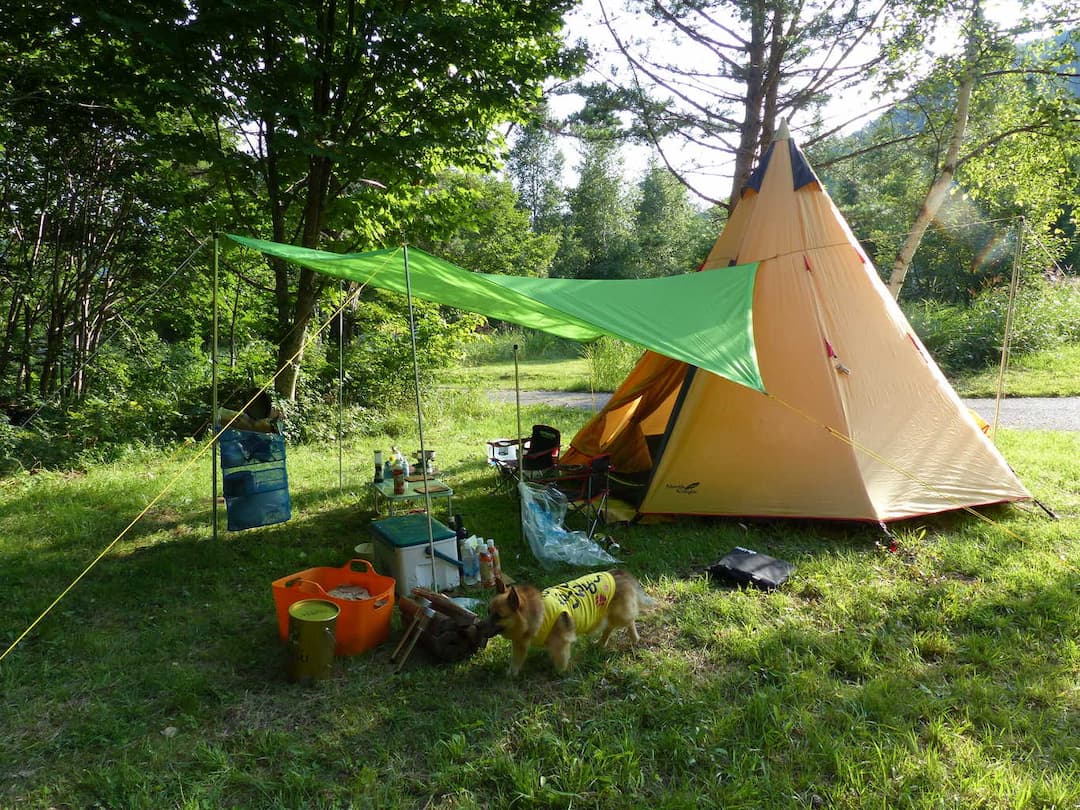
(942, 675)
(560, 374)
(1051, 373)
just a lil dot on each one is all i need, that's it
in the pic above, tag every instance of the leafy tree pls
(598, 240)
(670, 235)
(991, 101)
(731, 69)
(535, 166)
(335, 95)
(298, 108)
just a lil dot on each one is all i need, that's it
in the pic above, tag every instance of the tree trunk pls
(939, 189)
(754, 101)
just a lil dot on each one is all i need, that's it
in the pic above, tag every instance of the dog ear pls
(512, 599)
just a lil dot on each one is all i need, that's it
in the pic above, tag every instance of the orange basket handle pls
(301, 582)
(368, 567)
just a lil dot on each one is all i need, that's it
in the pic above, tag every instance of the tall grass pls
(610, 361)
(1046, 316)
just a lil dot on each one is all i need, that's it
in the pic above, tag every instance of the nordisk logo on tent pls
(685, 489)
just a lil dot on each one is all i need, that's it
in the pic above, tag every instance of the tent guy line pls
(199, 454)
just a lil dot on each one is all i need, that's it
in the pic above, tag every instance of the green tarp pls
(704, 319)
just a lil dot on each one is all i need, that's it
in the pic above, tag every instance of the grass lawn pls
(941, 675)
(1052, 373)
(568, 374)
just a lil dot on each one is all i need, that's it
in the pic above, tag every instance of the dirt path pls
(1025, 413)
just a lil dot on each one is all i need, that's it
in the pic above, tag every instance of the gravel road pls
(1025, 413)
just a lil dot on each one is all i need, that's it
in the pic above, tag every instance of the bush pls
(610, 360)
(498, 347)
(1046, 315)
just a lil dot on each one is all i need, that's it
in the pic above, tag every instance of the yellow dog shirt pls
(586, 599)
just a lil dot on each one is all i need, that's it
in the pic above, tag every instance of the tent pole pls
(340, 385)
(420, 417)
(1006, 337)
(214, 396)
(520, 459)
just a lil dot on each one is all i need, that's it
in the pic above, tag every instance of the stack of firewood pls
(454, 633)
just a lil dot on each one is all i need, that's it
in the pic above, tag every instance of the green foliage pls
(9, 440)
(497, 346)
(491, 234)
(535, 165)
(610, 361)
(669, 235)
(1046, 315)
(598, 242)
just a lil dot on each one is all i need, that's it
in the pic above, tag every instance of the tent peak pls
(782, 133)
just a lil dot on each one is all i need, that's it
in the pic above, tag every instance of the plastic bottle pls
(496, 563)
(487, 571)
(471, 572)
(399, 477)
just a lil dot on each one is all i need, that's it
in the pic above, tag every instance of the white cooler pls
(401, 551)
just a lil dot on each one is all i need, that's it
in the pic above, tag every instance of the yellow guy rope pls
(168, 487)
(851, 442)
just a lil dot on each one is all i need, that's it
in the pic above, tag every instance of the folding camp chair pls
(502, 454)
(541, 453)
(536, 456)
(586, 487)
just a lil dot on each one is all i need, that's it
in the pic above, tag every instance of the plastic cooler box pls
(361, 623)
(401, 547)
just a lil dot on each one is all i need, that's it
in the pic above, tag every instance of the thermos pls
(378, 467)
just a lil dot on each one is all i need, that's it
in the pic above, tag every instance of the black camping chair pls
(536, 456)
(541, 452)
(586, 487)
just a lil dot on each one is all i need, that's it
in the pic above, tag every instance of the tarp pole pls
(214, 396)
(420, 418)
(520, 455)
(340, 386)
(1006, 337)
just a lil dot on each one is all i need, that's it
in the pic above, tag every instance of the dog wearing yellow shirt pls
(602, 602)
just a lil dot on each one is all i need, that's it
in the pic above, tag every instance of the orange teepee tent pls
(857, 423)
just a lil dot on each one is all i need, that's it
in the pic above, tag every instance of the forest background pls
(129, 135)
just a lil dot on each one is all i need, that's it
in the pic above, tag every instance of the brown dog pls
(600, 602)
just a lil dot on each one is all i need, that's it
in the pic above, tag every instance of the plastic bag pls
(543, 510)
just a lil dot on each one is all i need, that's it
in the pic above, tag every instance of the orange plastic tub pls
(361, 623)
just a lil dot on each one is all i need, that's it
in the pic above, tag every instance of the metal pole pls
(340, 386)
(214, 396)
(1006, 338)
(420, 417)
(520, 454)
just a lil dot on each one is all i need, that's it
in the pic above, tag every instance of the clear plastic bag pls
(543, 510)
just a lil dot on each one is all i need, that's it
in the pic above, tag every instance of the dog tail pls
(645, 602)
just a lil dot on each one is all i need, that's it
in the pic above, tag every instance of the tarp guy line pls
(168, 486)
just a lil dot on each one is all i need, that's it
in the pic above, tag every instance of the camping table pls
(385, 502)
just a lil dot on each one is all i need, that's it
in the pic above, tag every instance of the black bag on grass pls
(743, 566)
